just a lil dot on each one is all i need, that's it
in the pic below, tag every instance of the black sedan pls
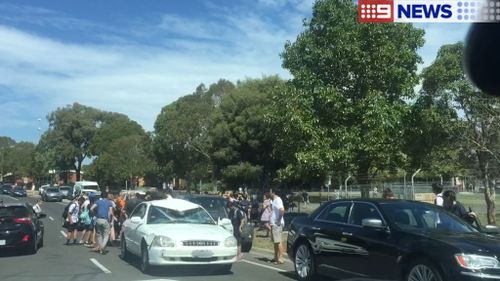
(18, 191)
(20, 228)
(217, 207)
(390, 240)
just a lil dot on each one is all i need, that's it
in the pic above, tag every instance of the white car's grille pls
(200, 243)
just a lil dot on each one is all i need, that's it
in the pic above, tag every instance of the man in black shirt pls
(451, 204)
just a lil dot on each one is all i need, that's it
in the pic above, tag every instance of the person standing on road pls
(72, 220)
(277, 223)
(437, 189)
(237, 217)
(266, 213)
(451, 204)
(103, 209)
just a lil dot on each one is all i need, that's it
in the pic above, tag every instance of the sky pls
(136, 56)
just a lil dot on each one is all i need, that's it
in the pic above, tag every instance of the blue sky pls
(135, 57)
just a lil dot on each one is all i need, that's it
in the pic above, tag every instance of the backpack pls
(85, 216)
(66, 210)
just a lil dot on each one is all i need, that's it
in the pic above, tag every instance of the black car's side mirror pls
(373, 223)
(42, 215)
(491, 229)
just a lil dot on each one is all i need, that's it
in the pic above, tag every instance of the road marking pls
(63, 233)
(51, 218)
(265, 266)
(14, 198)
(105, 270)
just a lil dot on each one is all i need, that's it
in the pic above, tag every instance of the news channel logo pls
(451, 11)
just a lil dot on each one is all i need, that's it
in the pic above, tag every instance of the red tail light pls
(23, 220)
(26, 238)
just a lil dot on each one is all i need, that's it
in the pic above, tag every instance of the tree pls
(344, 107)
(181, 143)
(242, 140)
(478, 117)
(6, 144)
(122, 151)
(70, 134)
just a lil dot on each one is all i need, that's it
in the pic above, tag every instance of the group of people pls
(271, 216)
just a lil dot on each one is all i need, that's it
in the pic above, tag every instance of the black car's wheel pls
(124, 253)
(246, 247)
(33, 247)
(40, 243)
(421, 270)
(304, 262)
(145, 266)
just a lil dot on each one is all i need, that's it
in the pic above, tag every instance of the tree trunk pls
(489, 197)
(364, 181)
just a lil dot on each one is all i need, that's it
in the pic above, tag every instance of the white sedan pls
(175, 232)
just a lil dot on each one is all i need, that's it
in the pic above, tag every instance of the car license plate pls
(202, 254)
(2, 242)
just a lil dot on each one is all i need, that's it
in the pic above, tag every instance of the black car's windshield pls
(13, 211)
(53, 190)
(160, 215)
(421, 217)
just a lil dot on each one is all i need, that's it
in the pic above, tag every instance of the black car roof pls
(14, 204)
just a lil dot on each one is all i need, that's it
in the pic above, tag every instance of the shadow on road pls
(13, 253)
(179, 270)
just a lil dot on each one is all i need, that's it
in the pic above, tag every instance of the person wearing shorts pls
(277, 223)
(237, 217)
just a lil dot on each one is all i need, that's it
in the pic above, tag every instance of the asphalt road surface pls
(57, 262)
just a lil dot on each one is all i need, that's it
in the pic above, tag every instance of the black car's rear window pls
(13, 211)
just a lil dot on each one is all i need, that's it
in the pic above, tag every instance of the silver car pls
(52, 194)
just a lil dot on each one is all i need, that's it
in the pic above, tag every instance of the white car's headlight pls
(470, 261)
(163, 241)
(230, 242)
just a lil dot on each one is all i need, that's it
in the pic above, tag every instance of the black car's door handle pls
(346, 233)
(315, 228)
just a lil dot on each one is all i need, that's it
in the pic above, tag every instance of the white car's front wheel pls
(124, 253)
(145, 266)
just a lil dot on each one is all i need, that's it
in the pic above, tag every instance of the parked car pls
(6, 188)
(175, 232)
(390, 240)
(289, 216)
(67, 192)
(52, 194)
(20, 228)
(87, 187)
(217, 207)
(18, 191)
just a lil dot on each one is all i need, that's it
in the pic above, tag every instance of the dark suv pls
(391, 240)
(20, 227)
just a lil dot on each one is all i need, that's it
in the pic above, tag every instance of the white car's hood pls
(182, 232)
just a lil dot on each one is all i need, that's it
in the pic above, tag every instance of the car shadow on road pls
(13, 253)
(180, 270)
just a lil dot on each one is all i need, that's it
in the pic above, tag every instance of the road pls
(57, 262)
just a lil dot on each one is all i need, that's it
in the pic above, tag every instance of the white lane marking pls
(157, 280)
(265, 266)
(51, 218)
(14, 198)
(105, 270)
(63, 233)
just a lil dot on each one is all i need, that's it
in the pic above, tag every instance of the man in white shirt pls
(277, 223)
(437, 189)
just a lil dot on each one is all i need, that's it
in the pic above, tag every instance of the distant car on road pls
(52, 194)
(20, 228)
(5, 189)
(18, 191)
(67, 192)
(87, 187)
(43, 188)
(176, 232)
(390, 240)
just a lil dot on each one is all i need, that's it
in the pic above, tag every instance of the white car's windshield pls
(160, 215)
